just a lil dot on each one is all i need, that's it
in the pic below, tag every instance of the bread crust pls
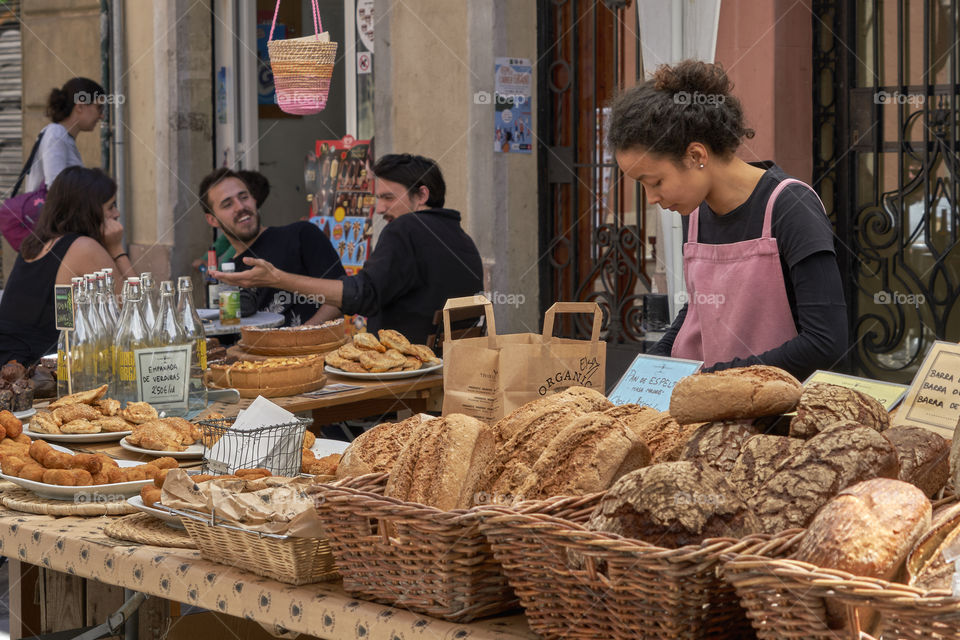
(718, 444)
(822, 404)
(924, 457)
(376, 450)
(760, 457)
(734, 394)
(584, 398)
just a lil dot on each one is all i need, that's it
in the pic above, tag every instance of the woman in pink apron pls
(762, 283)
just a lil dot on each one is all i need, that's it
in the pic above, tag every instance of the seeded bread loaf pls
(442, 463)
(924, 457)
(583, 398)
(718, 444)
(759, 458)
(821, 468)
(658, 430)
(376, 450)
(673, 504)
(734, 394)
(822, 404)
(588, 456)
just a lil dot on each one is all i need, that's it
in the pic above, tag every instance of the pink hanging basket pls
(302, 68)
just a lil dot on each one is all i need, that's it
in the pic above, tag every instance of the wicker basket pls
(576, 583)
(283, 558)
(302, 68)
(413, 556)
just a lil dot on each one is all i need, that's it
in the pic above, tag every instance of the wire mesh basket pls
(277, 448)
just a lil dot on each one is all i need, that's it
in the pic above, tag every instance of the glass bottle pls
(103, 303)
(167, 330)
(193, 329)
(229, 299)
(132, 334)
(86, 344)
(102, 336)
(148, 304)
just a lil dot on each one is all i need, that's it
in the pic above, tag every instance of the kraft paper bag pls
(490, 376)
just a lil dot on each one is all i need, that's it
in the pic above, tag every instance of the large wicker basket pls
(302, 68)
(413, 556)
(576, 583)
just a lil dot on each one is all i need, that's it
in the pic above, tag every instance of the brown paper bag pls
(490, 376)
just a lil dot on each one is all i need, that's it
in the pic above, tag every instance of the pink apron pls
(737, 302)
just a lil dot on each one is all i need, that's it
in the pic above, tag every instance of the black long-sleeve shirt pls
(421, 259)
(811, 276)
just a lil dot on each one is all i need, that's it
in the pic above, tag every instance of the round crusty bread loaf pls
(584, 398)
(718, 444)
(924, 457)
(734, 394)
(588, 456)
(376, 450)
(673, 504)
(657, 429)
(927, 567)
(822, 404)
(823, 465)
(442, 463)
(759, 458)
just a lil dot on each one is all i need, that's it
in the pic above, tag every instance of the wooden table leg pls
(24, 600)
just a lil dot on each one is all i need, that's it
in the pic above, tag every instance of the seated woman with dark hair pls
(78, 232)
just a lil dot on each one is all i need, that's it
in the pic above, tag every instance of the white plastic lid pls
(228, 266)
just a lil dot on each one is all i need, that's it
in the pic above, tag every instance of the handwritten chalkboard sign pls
(933, 401)
(63, 304)
(886, 393)
(650, 381)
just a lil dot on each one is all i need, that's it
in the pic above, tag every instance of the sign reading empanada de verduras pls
(933, 401)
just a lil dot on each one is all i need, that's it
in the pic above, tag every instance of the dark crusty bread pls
(822, 404)
(659, 431)
(734, 394)
(924, 457)
(927, 567)
(955, 458)
(824, 465)
(583, 398)
(673, 504)
(718, 444)
(588, 456)
(759, 458)
(442, 463)
(376, 450)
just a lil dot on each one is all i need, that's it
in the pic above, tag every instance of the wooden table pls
(370, 398)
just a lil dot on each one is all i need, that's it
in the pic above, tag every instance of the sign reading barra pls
(650, 381)
(933, 401)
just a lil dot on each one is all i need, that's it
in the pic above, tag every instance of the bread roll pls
(734, 394)
(442, 463)
(673, 504)
(924, 457)
(759, 458)
(588, 456)
(657, 429)
(927, 568)
(821, 468)
(718, 444)
(376, 450)
(583, 398)
(822, 404)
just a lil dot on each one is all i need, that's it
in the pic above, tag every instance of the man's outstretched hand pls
(260, 274)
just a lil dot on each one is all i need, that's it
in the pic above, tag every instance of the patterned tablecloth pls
(78, 546)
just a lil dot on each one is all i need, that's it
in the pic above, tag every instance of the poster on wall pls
(512, 102)
(343, 202)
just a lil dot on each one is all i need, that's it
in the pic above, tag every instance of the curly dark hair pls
(690, 101)
(60, 102)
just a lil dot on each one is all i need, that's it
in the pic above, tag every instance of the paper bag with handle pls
(490, 376)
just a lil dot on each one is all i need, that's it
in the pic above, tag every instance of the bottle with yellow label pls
(193, 328)
(229, 298)
(132, 334)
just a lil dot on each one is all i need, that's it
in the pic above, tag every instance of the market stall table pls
(78, 546)
(259, 319)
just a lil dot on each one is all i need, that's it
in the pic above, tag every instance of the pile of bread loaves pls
(703, 469)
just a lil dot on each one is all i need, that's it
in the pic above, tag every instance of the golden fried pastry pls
(134, 474)
(150, 495)
(68, 477)
(160, 477)
(13, 448)
(11, 465)
(113, 424)
(115, 474)
(47, 456)
(393, 339)
(203, 477)
(367, 342)
(11, 424)
(380, 362)
(87, 461)
(423, 353)
(411, 364)
(79, 426)
(189, 431)
(108, 406)
(165, 462)
(307, 458)
(81, 397)
(138, 412)
(101, 478)
(157, 436)
(72, 412)
(308, 439)
(43, 422)
(32, 471)
(249, 474)
(350, 352)
(343, 364)
(23, 439)
(150, 471)
(106, 461)
(325, 466)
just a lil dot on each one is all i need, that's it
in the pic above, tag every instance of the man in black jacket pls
(423, 256)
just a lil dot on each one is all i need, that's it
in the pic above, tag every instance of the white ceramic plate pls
(26, 413)
(387, 375)
(94, 493)
(192, 452)
(103, 436)
(208, 314)
(324, 447)
(172, 521)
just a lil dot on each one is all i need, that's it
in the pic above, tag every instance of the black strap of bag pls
(26, 167)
